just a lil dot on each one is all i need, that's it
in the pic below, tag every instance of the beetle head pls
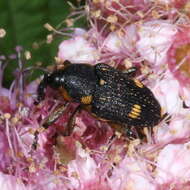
(53, 80)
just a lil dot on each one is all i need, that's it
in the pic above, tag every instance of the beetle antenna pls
(41, 90)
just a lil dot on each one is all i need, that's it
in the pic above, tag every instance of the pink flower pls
(110, 14)
(124, 43)
(77, 50)
(156, 38)
(177, 131)
(167, 91)
(132, 174)
(178, 56)
(149, 34)
(7, 182)
(173, 166)
(84, 172)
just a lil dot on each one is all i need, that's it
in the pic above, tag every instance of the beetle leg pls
(131, 72)
(70, 125)
(54, 116)
(133, 132)
(35, 141)
(47, 122)
(130, 132)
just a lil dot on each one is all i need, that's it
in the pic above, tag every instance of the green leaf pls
(24, 22)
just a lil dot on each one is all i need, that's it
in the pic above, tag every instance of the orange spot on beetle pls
(86, 99)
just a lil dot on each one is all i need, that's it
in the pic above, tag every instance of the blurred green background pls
(24, 22)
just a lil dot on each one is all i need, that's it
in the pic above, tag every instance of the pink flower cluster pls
(152, 35)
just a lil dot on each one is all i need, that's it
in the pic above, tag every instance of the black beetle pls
(110, 94)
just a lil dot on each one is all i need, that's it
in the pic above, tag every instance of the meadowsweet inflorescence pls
(152, 35)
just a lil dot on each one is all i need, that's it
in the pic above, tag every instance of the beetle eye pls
(57, 79)
(62, 79)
